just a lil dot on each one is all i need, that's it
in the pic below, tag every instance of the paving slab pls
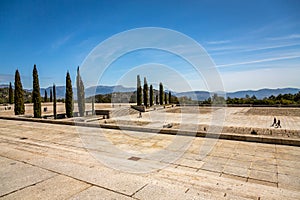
(57, 187)
(264, 167)
(215, 167)
(263, 176)
(288, 182)
(99, 193)
(237, 171)
(15, 175)
(292, 171)
(96, 175)
(164, 191)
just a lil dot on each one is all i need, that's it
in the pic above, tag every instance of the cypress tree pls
(93, 105)
(80, 94)
(151, 95)
(50, 98)
(161, 93)
(10, 94)
(36, 97)
(54, 101)
(45, 97)
(145, 92)
(170, 98)
(19, 95)
(69, 96)
(166, 98)
(156, 100)
(139, 91)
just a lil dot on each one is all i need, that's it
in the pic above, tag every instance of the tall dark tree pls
(161, 94)
(93, 105)
(170, 98)
(69, 96)
(19, 95)
(10, 94)
(80, 94)
(139, 91)
(54, 101)
(45, 96)
(36, 96)
(166, 98)
(50, 98)
(145, 92)
(156, 100)
(151, 97)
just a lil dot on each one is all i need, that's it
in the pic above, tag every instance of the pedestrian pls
(274, 122)
(278, 124)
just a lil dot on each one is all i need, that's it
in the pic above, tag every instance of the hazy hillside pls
(260, 94)
(100, 89)
(194, 95)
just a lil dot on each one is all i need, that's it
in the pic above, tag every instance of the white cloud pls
(239, 49)
(219, 42)
(261, 78)
(58, 43)
(5, 78)
(286, 37)
(259, 61)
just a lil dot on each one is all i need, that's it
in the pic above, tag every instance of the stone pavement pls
(50, 161)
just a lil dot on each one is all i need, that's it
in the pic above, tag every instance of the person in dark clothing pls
(274, 122)
(278, 124)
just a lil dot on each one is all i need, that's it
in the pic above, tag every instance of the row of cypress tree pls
(50, 99)
(16, 96)
(163, 97)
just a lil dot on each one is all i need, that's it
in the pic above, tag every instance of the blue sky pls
(254, 44)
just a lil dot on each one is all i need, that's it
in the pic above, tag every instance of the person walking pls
(278, 125)
(274, 122)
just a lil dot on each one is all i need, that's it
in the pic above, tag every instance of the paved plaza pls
(49, 161)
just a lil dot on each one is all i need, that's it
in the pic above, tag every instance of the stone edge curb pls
(226, 136)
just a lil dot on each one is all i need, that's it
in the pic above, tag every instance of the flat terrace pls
(50, 161)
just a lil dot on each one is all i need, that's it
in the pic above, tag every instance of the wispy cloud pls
(4, 78)
(260, 61)
(219, 42)
(242, 49)
(264, 78)
(272, 47)
(58, 43)
(286, 37)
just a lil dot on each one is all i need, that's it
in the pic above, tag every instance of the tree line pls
(281, 99)
(146, 97)
(16, 95)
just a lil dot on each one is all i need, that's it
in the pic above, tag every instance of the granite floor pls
(48, 161)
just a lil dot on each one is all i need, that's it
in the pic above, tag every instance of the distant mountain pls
(60, 91)
(260, 94)
(101, 89)
(194, 95)
(4, 85)
(90, 91)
